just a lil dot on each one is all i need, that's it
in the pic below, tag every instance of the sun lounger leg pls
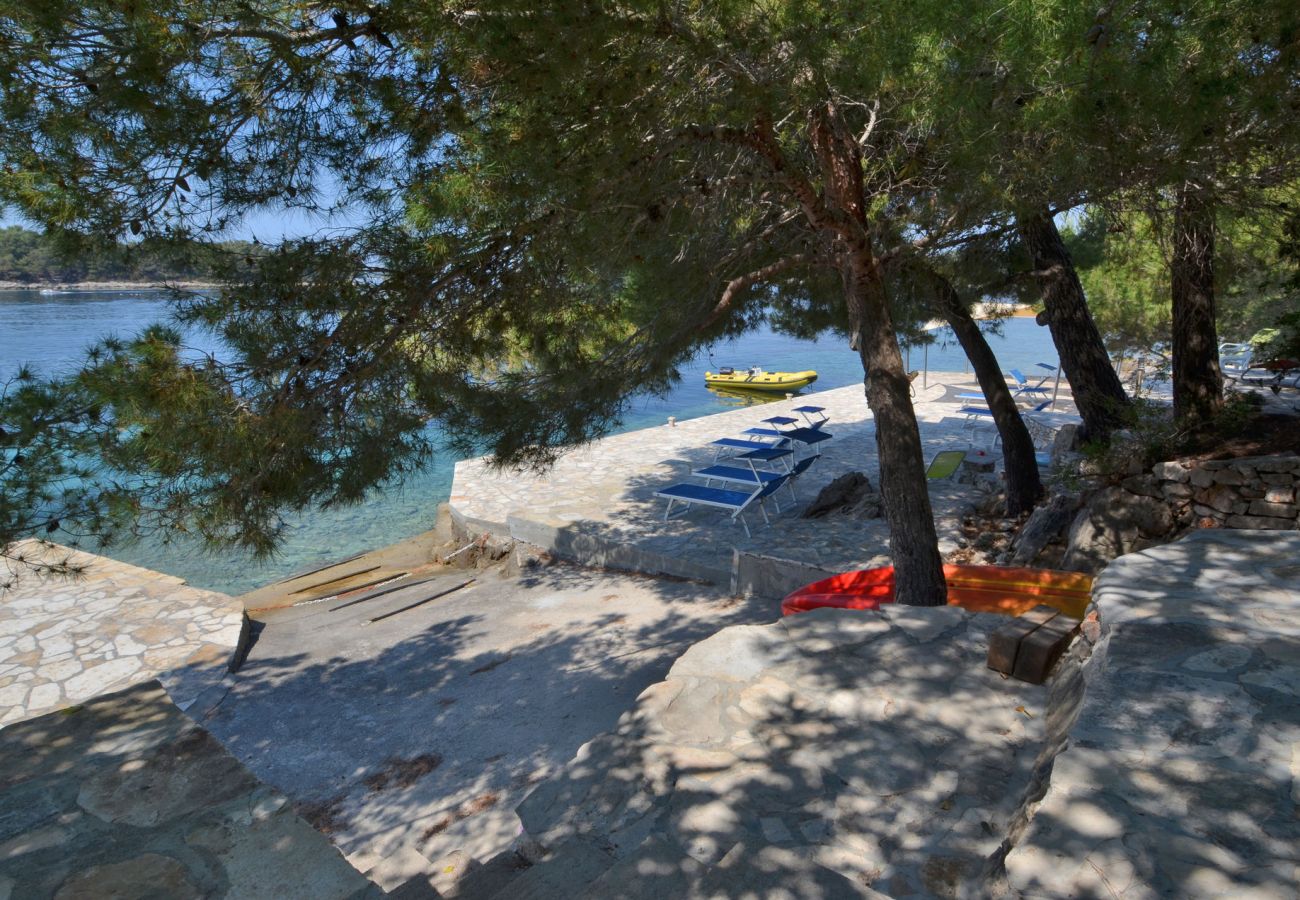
(744, 525)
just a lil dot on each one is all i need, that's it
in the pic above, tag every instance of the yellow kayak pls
(755, 379)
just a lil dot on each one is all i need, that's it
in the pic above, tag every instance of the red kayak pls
(997, 589)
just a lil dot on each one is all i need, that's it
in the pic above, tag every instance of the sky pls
(268, 226)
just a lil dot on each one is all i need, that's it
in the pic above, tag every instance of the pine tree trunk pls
(1198, 381)
(1098, 393)
(1024, 488)
(841, 209)
(914, 545)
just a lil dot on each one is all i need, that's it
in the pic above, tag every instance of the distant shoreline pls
(106, 285)
(1015, 311)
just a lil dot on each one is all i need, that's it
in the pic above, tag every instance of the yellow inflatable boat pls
(755, 379)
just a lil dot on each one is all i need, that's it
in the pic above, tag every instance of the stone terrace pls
(830, 754)
(845, 753)
(597, 505)
(1182, 775)
(63, 641)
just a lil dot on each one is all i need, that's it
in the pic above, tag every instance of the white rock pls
(101, 678)
(738, 653)
(43, 697)
(13, 696)
(126, 645)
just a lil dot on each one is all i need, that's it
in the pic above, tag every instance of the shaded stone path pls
(417, 735)
(64, 641)
(126, 797)
(841, 754)
(1182, 778)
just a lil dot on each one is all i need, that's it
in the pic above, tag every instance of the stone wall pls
(1252, 492)
(1149, 508)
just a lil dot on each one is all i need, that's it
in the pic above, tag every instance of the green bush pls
(1281, 341)
(1151, 434)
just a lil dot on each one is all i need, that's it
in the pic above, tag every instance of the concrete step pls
(417, 888)
(755, 870)
(657, 870)
(401, 869)
(563, 875)
(461, 877)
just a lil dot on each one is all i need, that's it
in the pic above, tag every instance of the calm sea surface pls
(51, 332)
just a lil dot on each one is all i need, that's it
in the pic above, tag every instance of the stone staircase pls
(658, 869)
(409, 875)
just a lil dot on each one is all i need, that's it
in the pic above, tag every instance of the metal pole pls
(925, 379)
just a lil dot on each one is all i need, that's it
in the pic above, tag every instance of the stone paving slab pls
(1182, 777)
(602, 493)
(63, 641)
(125, 796)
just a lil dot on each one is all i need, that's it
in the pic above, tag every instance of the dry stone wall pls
(1252, 492)
(1149, 508)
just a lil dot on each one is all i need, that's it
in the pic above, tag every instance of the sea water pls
(50, 333)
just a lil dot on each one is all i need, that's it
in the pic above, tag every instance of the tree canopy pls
(540, 197)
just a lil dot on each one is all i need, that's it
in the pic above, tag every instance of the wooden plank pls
(330, 595)
(420, 602)
(387, 590)
(336, 579)
(303, 573)
(1005, 642)
(1039, 651)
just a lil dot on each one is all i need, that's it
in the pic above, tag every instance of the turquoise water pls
(51, 333)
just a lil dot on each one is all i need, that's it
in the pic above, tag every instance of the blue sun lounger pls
(771, 455)
(815, 416)
(978, 416)
(749, 475)
(736, 501)
(767, 433)
(808, 436)
(737, 446)
(1024, 387)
